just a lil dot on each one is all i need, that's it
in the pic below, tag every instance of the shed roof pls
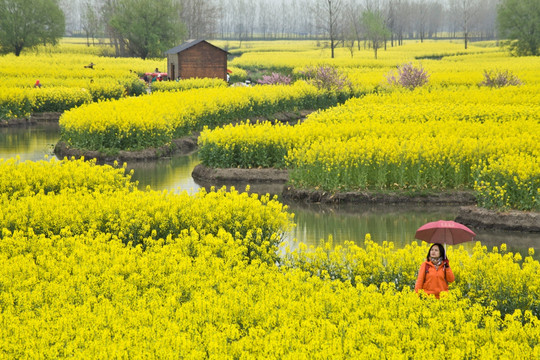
(187, 45)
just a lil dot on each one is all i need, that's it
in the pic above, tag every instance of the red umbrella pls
(229, 71)
(444, 232)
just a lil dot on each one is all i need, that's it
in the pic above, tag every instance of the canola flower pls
(218, 289)
(187, 84)
(67, 82)
(458, 137)
(446, 61)
(91, 267)
(49, 197)
(299, 54)
(498, 279)
(152, 121)
(29, 178)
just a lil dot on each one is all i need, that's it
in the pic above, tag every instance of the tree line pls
(339, 20)
(145, 28)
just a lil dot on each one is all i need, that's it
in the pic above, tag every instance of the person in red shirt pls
(435, 273)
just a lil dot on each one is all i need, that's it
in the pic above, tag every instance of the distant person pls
(37, 84)
(435, 273)
(90, 66)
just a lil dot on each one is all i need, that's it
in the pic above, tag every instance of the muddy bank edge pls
(469, 213)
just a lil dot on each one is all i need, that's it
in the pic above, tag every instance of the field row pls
(67, 81)
(458, 137)
(152, 121)
(22, 102)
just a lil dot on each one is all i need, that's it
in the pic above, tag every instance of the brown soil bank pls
(369, 197)
(32, 119)
(207, 174)
(469, 214)
(181, 146)
(487, 219)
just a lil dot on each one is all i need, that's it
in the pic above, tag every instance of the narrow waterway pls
(313, 222)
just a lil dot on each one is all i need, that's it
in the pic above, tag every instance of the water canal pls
(314, 222)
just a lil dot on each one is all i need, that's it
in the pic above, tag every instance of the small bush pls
(275, 79)
(134, 87)
(106, 91)
(326, 77)
(408, 76)
(498, 78)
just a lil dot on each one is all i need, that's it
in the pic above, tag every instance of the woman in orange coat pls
(435, 273)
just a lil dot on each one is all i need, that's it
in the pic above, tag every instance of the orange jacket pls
(432, 280)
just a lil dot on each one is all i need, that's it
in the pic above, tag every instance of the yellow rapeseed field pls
(91, 267)
(451, 133)
(67, 80)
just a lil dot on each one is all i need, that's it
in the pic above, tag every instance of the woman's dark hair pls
(441, 250)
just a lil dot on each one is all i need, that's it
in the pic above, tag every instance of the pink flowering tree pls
(408, 76)
(498, 78)
(326, 77)
(275, 79)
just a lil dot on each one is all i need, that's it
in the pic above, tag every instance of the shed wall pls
(202, 60)
(172, 66)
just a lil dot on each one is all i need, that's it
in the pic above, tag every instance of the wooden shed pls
(197, 59)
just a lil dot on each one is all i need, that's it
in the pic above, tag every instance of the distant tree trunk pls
(328, 16)
(465, 12)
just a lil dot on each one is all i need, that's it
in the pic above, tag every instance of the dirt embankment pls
(237, 175)
(511, 220)
(32, 119)
(181, 146)
(469, 213)
(371, 197)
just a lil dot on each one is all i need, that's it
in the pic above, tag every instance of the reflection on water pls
(397, 223)
(385, 223)
(173, 174)
(29, 142)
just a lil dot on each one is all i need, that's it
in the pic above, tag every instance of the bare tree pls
(199, 17)
(240, 11)
(108, 9)
(353, 25)
(465, 13)
(72, 9)
(434, 19)
(306, 23)
(487, 19)
(336, 21)
(224, 18)
(264, 19)
(420, 14)
(90, 21)
(391, 18)
(401, 14)
(329, 14)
